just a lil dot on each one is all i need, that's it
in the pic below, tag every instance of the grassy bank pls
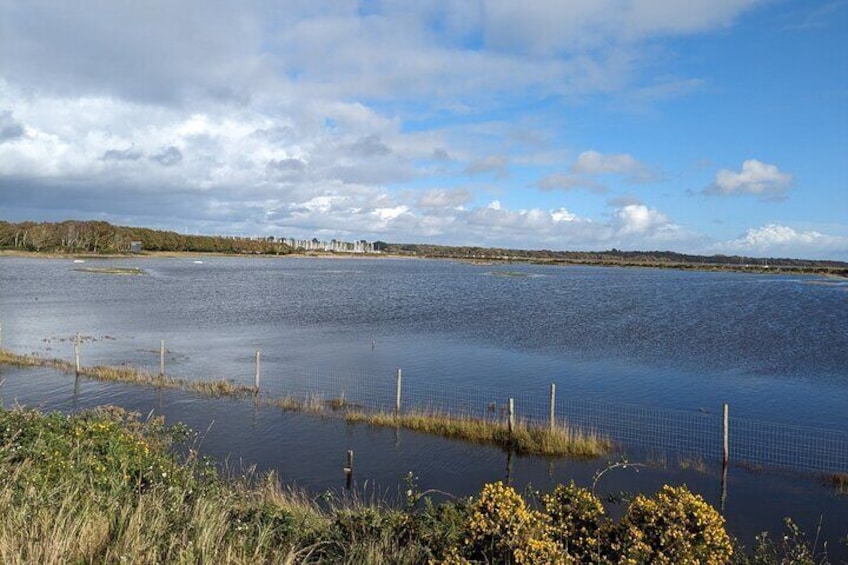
(524, 439)
(105, 487)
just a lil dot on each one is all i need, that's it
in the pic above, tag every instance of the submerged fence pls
(711, 436)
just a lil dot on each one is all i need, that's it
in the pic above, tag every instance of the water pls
(774, 347)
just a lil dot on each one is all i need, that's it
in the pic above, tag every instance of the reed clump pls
(839, 481)
(525, 438)
(128, 374)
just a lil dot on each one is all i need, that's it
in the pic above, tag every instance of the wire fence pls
(630, 427)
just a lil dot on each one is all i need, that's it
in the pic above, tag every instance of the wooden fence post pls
(397, 398)
(553, 403)
(256, 377)
(162, 358)
(511, 421)
(349, 469)
(77, 353)
(726, 455)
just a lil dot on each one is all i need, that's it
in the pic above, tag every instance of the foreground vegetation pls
(104, 486)
(523, 439)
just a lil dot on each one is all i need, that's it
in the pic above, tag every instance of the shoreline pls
(836, 274)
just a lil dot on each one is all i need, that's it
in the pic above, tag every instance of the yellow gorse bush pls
(674, 527)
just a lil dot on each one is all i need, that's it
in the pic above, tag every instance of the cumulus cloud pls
(168, 157)
(639, 219)
(756, 177)
(595, 163)
(121, 155)
(779, 240)
(309, 117)
(370, 146)
(443, 198)
(9, 128)
(589, 165)
(492, 164)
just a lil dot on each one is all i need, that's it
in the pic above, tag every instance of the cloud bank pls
(394, 120)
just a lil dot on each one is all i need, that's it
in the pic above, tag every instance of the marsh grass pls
(526, 438)
(839, 481)
(125, 271)
(694, 463)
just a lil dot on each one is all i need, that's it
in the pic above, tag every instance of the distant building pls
(135, 247)
(334, 246)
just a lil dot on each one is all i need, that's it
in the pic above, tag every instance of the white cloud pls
(595, 163)
(304, 115)
(756, 177)
(779, 240)
(639, 219)
(443, 198)
(562, 215)
(494, 164)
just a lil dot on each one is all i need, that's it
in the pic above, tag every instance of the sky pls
(697, 126)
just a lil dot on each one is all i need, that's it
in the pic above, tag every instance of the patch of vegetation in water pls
(508, 274)
(112, 270)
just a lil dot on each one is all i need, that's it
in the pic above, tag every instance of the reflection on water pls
(773, 347)
(311, 451)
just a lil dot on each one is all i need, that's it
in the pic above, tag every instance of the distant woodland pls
(104, 238)
(92, 237)
(661, 259)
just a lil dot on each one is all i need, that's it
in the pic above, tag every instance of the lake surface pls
(775, 348)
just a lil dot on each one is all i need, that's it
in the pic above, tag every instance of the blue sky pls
(700, 126)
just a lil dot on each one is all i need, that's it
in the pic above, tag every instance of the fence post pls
(349, 469)
(726, 455)
(162, 358)
(256, 377)
(1, 335)
(77, 353)
(553, 403)
(511, 420)
(397, 398)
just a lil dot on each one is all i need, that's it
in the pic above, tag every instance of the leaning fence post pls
(77, 353)
(397, 398)
(511, 420)
(726, 455)
(162, 358)
(256, 377)
(553, 402)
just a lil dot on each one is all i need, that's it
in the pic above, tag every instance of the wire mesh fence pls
(700, 433)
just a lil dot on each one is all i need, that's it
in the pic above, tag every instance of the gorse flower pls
(673, 527)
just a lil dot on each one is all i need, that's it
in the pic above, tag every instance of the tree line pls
(104, 238)
(668, 259)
